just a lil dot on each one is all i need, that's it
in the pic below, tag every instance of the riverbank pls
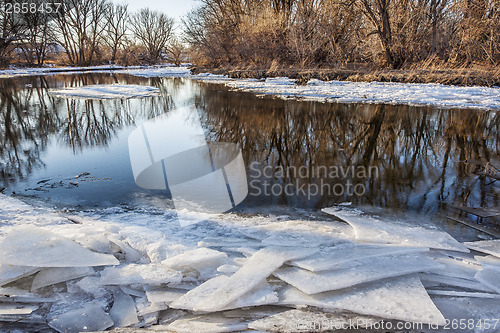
(460, 77)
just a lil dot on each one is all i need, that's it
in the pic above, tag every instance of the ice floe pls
(103, 91)
(488, 246)
(123, 313)
(89, 318)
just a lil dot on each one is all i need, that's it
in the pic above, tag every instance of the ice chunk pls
(103, 91)
(456, 267)
(434, 280)
(123, 312)
(371, 270)
(309, 321)
(152, 308)
(490, 277)
(401, 298)
(341, 256)
(37, 247)
(166, 296)
(255, 270)
(9, 273)
(488, 246)
(489, 261)
(131, 254)
(150, 274)
(16, 309)
(373, 230)
(194, 258)
(50, 276)
(90, 317)
(207, 324)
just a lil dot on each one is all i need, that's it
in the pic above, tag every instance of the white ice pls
(50, 276)
(36, 247)
(89, 318)
(147, 274)
(166, 296)
(402, 298)
(373, 230)
(12, 273)
(340, 256)
(488, 246)
(196, 258)
(490, 277)
(106, 91)
(370, 270)
(123, 312)
(16, 309)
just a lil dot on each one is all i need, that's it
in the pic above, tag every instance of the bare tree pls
(115, 33)
(154, 30)
(176, 51)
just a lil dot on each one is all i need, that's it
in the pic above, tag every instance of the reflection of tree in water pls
(419, 151)
(30, 117)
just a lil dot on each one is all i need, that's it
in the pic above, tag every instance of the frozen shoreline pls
(231, 273)
(435, 95)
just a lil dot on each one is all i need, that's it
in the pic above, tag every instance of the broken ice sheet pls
(293, 321)
(166, 296)
(10, 273)
(401, 298)
(462, 294)
(254, 271)
(373, 230)
(17, 309)
(488, 246)
(150, 274)
(50, 276)
(371, 269)
(123, 312)
(435, 280)
(207, 324)
(490, 277)
(89, 318)
(349, 255)
(195, 257)
(37, 247)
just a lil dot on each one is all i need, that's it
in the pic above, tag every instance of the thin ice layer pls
(150, 274)
(488, 246)
(9, 273)
(373, 230)
(372, 270)
(166, 296)
(50, 276)
(17, 309)
(490, 277)
(342, 256)
(89, 318)
(36, 247)
(123, 312)
(402, 298)
(106, 91)
(206, 324)
(255, 270)
(434, 280)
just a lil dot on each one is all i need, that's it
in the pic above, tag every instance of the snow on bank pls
(157, 72)
(369, 92)
(103, 91)
(138, 269)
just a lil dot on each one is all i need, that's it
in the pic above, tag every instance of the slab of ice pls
(166, 296)
(147, 274)
(462, 294)
(456, 267)
(104, 91)
(371, 270)
(89, 318)
(207, 324)
(402, 298)
(434, 280)
(255, 270)
(373, 230)
(293, 321)
(488, 246)
(195, 258)
(50, 276)
(36, 247)
(490, 277)
(262, 294)
(123, 312)
(17, 309)
(12, 273)
(348, 255)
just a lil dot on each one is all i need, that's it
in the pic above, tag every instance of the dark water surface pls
(418, 157)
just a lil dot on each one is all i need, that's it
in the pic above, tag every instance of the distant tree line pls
(391, 33)
(87, 31)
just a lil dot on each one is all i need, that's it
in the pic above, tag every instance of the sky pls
(173, 8)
